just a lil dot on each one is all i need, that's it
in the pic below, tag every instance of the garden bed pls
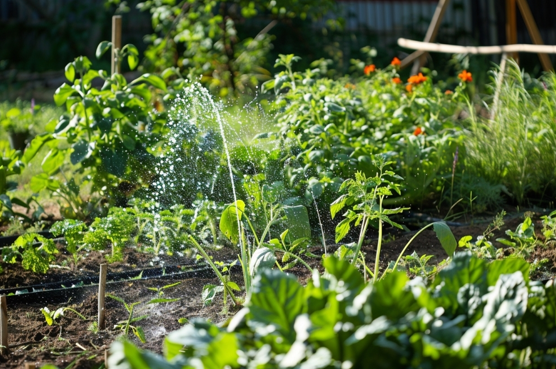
(69, 340)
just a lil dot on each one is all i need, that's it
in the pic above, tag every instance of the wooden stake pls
(534, 32)
(116, 41)
(431, 33)
(511, 26)
(101, 292)
(29, 365)
(3, 325)
(105, 359)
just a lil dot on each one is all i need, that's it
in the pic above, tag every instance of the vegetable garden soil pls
(69, 340)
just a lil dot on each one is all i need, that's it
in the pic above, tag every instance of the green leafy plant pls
(126, 325)
(365, 197)
(115, 229)
(108, 130)
(73, 232)
(52, 316)
(523, 240)
(33, 257)
(160, 290)
(482, 247)
(472, 314)
(419, 265)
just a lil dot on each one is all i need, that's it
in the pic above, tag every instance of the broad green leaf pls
(342, 229)
(507, 266)
(446, 237)
(263, 258)
(102, 47)
(337, 205)
(346, 279)
(124, 354)
(216, 357)
(35, 146)
(229, 220)
(13, 113)
(128, 142)
(53, 161)
(297, 222)
(138, 331)
(276, 299)
(5, 200)
(62, 94)
(209, 293)
(132, 61)
(81, 150)
(41, 181)
(70, 72)
(46, 312)
(152, 80)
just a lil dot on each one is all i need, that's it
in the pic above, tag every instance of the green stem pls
(298, 258)
(215, 268)
(252, 230)
(128, 323)
(364, 225)
(407, 245)
(379, 245)
(79, 315)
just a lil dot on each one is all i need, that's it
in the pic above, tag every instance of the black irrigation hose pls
(75, 288)
(9, 240)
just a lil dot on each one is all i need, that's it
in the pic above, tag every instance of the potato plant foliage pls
(472, 314)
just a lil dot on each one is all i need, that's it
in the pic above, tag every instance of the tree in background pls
(201, 38)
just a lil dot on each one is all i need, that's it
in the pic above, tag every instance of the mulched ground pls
(69, 342)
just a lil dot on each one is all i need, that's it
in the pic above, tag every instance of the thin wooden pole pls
(3, 325)
(511, 26)
(116, 41)
(29, 365)
(431, 33)
(484, 50)
(105, 359)
(101, 292)
(534, 32)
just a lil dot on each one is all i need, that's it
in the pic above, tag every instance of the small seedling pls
(52, 316)
(126, 325)
(160, 290)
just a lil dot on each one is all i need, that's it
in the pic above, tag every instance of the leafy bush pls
(473, 314)
(329, 129)
(35, 258)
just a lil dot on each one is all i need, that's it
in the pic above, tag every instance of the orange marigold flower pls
(350, 85)
(448, 92)
(465, 76)
(418, 131)
(409, 88)
(396, 80)
(417, 79)
(396, 62)
(369, 69)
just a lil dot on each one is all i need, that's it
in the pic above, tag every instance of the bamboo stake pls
(534, 32)
(116, 42)
(101, 292)
(3, 325)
